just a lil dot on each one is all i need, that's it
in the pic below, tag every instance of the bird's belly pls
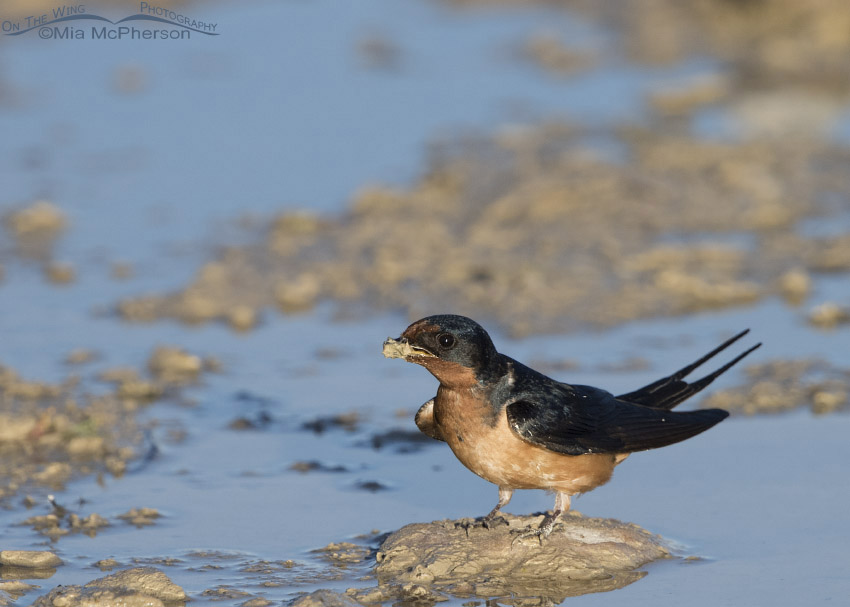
(495, 453)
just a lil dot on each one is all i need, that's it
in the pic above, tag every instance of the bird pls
(519, 429)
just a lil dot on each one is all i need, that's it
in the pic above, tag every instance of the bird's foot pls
(466, 524)
(493, 520)
(541, 532)
(490, 521)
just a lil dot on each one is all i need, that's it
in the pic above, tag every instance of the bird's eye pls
(446, 340)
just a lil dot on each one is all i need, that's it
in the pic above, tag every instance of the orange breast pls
(495, 453)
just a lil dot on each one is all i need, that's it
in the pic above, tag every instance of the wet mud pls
(549, 51)
(534, 230)
(434, 562)
(781, 44)
(19, 565)
(35, 231)
(349, 422)
(137, 587)
(325, 598)
(541, 230)
(316, 466)
(829, 315)
(140, 581)
(35, 228)
(35, 559)
(52, 432)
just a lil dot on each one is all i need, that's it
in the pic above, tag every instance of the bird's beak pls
(401, 348)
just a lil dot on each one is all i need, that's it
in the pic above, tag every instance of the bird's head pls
(455, 349)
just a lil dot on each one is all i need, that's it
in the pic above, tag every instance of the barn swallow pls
(520, 429)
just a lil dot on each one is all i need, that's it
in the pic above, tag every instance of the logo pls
(73, 22)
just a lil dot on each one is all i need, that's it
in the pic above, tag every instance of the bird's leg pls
(505, 496)
(562, 504)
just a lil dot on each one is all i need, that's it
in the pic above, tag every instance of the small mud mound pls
(137, 587)
(582, 555)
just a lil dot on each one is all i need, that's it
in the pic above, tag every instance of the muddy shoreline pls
(423, 562)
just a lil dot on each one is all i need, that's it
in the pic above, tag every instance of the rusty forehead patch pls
(419, 327)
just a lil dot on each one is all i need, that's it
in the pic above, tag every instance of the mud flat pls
(764, 44)
(535, 230)
(541, 230)
(52, 432)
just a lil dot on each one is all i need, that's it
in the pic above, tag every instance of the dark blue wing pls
(575, 420)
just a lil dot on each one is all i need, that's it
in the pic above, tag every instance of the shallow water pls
(759, 498)
(219, 131)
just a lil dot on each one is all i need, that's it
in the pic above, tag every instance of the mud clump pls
(325, 598)
(169, 368)
(548, 51)
(400, 439)
(582, 555)
(140, 517)
(305, 466)
(342, 554)
(61, 523)
(35, 229)
(60, 273)
(174, 365)
(349, 422)
(256, 422)
(80, 356)
(829, 315)
(36, 559)
(137, 587)
(220, 593)
(370, 486)
(14, 590)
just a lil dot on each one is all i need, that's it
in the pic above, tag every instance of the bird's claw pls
(528, 533)
(485, 522)
(541, 532)
(489, 522)
(465, 524)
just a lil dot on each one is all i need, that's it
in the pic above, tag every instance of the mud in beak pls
(401, 348)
